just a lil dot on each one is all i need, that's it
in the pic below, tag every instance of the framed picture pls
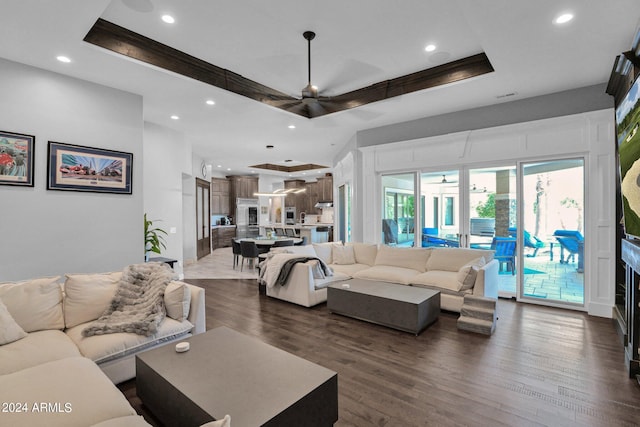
(16, 159)
(78, 168)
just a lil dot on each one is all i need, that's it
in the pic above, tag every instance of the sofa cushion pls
(36, 348)
(468, 272)
(348, 269)
(34, 304)
(411, 258)
(102, 348)
(177, 300)
(87, 296)
(444, 281)
(10, 331)
(306, 250)
(343, 255)
(386, 273)
(323, 283)
(365, 253)
(452, 259)
(324, 251)
(85, 396)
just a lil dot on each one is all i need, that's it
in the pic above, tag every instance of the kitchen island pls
(315, 233)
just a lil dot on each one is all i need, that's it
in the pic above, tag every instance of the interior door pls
(203, 218)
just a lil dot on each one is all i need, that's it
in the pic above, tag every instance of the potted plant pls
(153, 238)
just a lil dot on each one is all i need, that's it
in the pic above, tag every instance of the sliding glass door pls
(530, 215)
(398, 225)
(553, 231)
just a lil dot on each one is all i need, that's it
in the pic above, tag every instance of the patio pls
(546, 279)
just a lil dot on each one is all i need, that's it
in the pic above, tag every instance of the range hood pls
(324, 204)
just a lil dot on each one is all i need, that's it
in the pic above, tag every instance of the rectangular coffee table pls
(407, 308)
(226, 372)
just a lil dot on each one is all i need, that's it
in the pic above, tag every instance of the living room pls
(460, 126)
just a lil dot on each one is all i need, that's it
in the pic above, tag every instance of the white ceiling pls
(358, 42)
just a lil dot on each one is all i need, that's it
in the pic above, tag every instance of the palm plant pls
(153, 237)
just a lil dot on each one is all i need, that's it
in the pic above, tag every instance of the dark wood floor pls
(542, 366)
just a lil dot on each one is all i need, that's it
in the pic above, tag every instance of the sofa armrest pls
(487, 280)
(197, 314)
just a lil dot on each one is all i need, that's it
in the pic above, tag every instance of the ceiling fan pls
(133, 45)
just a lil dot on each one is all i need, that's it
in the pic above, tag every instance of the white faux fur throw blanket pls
(138, 305)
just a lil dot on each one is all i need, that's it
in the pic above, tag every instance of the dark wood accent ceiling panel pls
(133, 45)
(280, 168)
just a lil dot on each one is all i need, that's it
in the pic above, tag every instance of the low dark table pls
(169, 261)
(226, 372)
(407, 308)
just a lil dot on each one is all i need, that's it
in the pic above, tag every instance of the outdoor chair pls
(390, 231)
(529, 241)
(248, 250)
(429, 239)
(505, 252)
(571, 241)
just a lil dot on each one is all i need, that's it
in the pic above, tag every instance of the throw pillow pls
(343, 255)
(177, 300)
(365, 253)
(316, 270)
(34, 304)
(468, 272)
(87, 296)
(10, 331)
(323, 250)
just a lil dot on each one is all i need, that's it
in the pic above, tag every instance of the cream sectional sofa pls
(51, 375)
(455, 272)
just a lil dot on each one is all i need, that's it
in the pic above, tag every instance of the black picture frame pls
(17, 152)
(79, 168)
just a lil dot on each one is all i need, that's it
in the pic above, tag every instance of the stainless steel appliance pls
(290, 216)
(247, 218)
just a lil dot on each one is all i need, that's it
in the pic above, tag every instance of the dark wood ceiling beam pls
(133, 45)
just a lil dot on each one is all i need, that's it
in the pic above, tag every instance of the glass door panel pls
(553, 231)
(399, 209)
(492, 220)
(440, 219)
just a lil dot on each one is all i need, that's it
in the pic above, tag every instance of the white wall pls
(587, 134)
(163, 192)
(54, 232)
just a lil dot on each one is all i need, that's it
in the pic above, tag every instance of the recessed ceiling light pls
(228, 169)
(64, 59)
(292, 126)
(430, 47)
(174, 117)
(219, 166)
(211, 102)
(168, 19)
(563, 18)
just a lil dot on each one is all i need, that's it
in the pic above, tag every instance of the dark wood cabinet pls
(325, 189)
(221, 237)
(220, 196)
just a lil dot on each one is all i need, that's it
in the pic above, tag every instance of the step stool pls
(478, 314)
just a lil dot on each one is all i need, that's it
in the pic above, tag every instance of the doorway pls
(203, 218)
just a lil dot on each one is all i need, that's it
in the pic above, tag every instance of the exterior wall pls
(589, 135)
(54, 232)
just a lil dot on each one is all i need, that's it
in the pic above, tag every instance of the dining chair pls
(248, 250)
(279, 231)
(281, 243)
(290, 232)
(235, 246)
(302, 242)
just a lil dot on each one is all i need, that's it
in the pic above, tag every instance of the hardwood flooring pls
(542, 366)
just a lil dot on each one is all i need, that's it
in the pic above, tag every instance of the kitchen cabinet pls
(220, 196)
(325, 189)
(294, 199)
(222, 236)
(311, 198)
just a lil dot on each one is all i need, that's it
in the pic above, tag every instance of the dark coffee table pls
(226, 372)
(407, 308)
